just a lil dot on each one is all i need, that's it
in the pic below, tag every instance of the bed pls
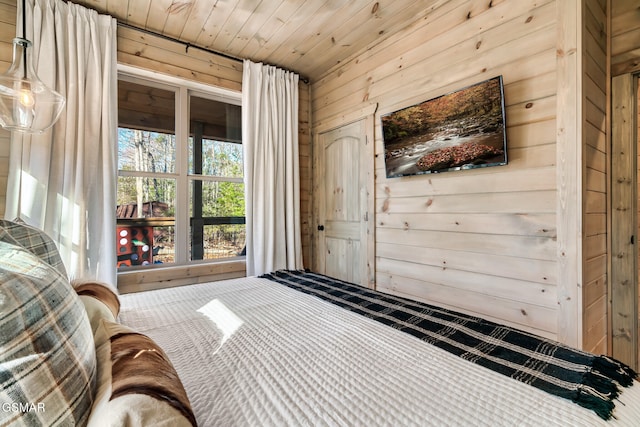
(291, 348)
(254, 351)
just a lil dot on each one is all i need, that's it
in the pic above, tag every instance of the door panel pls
(345, 167)
(342, 259)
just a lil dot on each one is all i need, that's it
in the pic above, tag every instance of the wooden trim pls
(318, 203)
(305, 146)
(608, 169)
(135, 74)
(369, 224)
(629, 66)
(569, 151)
(344, 119)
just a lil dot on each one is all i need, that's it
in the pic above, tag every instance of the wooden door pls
(624, 220)
(344, 203)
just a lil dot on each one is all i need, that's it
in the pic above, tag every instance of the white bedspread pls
(251, 352)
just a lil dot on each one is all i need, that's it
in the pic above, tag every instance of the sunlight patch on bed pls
(223, 318)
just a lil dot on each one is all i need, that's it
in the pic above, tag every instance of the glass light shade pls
(26, 103)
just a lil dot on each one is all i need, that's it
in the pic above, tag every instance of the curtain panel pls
(64, 180)
(271, 171)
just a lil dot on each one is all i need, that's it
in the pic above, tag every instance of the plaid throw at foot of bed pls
(590, 381)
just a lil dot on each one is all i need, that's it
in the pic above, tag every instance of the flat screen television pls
(464, 129)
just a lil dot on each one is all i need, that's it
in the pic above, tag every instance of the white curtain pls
(271, 176)
(64, 181)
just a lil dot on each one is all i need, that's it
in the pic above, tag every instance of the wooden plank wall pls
(625, 50)
(7, 33)
(481, 241)
(596, 158)
(623, 265)
(306, 173)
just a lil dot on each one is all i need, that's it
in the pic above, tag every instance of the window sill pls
(179, 275)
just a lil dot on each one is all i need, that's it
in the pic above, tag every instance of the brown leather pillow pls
(137, 383)
(100, 291)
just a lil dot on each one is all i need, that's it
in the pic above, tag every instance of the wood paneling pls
(306, 173)
(458, 50)
(479, 241)
(595, 170)
(625, 61)
(545, 213)
(164, 56)
(624, 262)
(569, 154)
(309, 37)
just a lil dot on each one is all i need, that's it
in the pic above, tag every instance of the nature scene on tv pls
(460, 130)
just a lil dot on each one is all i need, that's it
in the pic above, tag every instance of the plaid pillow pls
(47, 356)
(34, 240)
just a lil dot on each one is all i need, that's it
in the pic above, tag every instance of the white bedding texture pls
(253, 352)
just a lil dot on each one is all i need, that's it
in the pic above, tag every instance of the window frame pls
(182, 89)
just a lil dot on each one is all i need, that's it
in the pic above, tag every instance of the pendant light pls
(26, 103)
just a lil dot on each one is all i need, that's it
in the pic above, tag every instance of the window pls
(216, 198)
(180, 175)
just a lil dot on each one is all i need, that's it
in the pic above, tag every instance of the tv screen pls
(460, 130)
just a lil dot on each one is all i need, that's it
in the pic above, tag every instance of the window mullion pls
(134, 173)
(209, 178)
(182, 159)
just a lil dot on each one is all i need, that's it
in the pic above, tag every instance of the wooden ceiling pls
(310, 37)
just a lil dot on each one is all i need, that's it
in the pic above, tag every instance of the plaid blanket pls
(590, 381)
